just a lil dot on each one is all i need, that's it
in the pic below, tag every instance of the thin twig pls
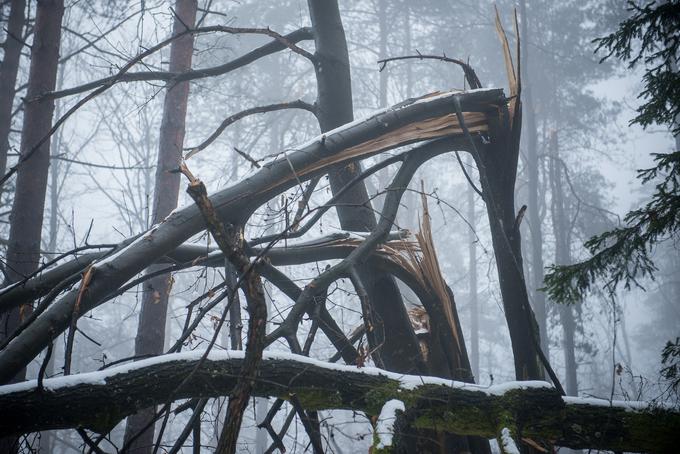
(470, 74)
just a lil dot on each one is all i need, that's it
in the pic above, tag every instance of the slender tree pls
(23, 252)
(535, 280)
(150, 338)
(8, 74)
(562, 233)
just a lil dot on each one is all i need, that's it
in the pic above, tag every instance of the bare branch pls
(469, 72)
(297, 104)
(280, 42)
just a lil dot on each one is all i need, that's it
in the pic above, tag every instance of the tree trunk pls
(8, 74)
(563, 257)
(151, 330)
(400, 350)
(472, 285)
(23, 252)
(497, 164)
(533, 208)
(534, 411)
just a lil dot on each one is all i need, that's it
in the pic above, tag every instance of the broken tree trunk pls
(417, 120)
(532, 411)
(496, 161)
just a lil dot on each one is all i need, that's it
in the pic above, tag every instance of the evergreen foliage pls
(623, 256)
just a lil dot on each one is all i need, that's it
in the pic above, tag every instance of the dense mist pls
(198, 194)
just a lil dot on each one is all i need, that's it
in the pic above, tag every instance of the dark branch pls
(297, 104)
(470, 74)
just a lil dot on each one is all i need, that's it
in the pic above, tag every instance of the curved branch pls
(297, 104)
(411, 163)
(470, 74)
(279, 43)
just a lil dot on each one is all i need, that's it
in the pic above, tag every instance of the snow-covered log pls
(531, 410)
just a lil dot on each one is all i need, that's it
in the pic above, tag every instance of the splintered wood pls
(431, 128)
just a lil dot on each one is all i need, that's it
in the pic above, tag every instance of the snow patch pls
(407, 381)
(384, 428)
(508, 445)
(628, 405)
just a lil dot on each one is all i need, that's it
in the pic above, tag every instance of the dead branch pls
(470, 74)
(297, 104)
(231, 243)
(279, 43)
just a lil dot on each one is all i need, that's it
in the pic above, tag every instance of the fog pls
(579, 154)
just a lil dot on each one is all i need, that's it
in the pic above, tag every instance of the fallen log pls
(530, 410)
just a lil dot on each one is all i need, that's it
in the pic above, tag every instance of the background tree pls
(623, 255)
(150, 338)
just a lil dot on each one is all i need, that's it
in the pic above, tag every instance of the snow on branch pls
(99, 400)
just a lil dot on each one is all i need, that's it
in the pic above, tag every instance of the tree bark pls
(150, 338)
(8, 74)
(534, 410)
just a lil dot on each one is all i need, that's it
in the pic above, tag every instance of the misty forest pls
(339, 226)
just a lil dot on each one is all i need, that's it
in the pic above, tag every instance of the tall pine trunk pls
(23, 252)
(533, 209)
(8, 74)
(151, 329)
